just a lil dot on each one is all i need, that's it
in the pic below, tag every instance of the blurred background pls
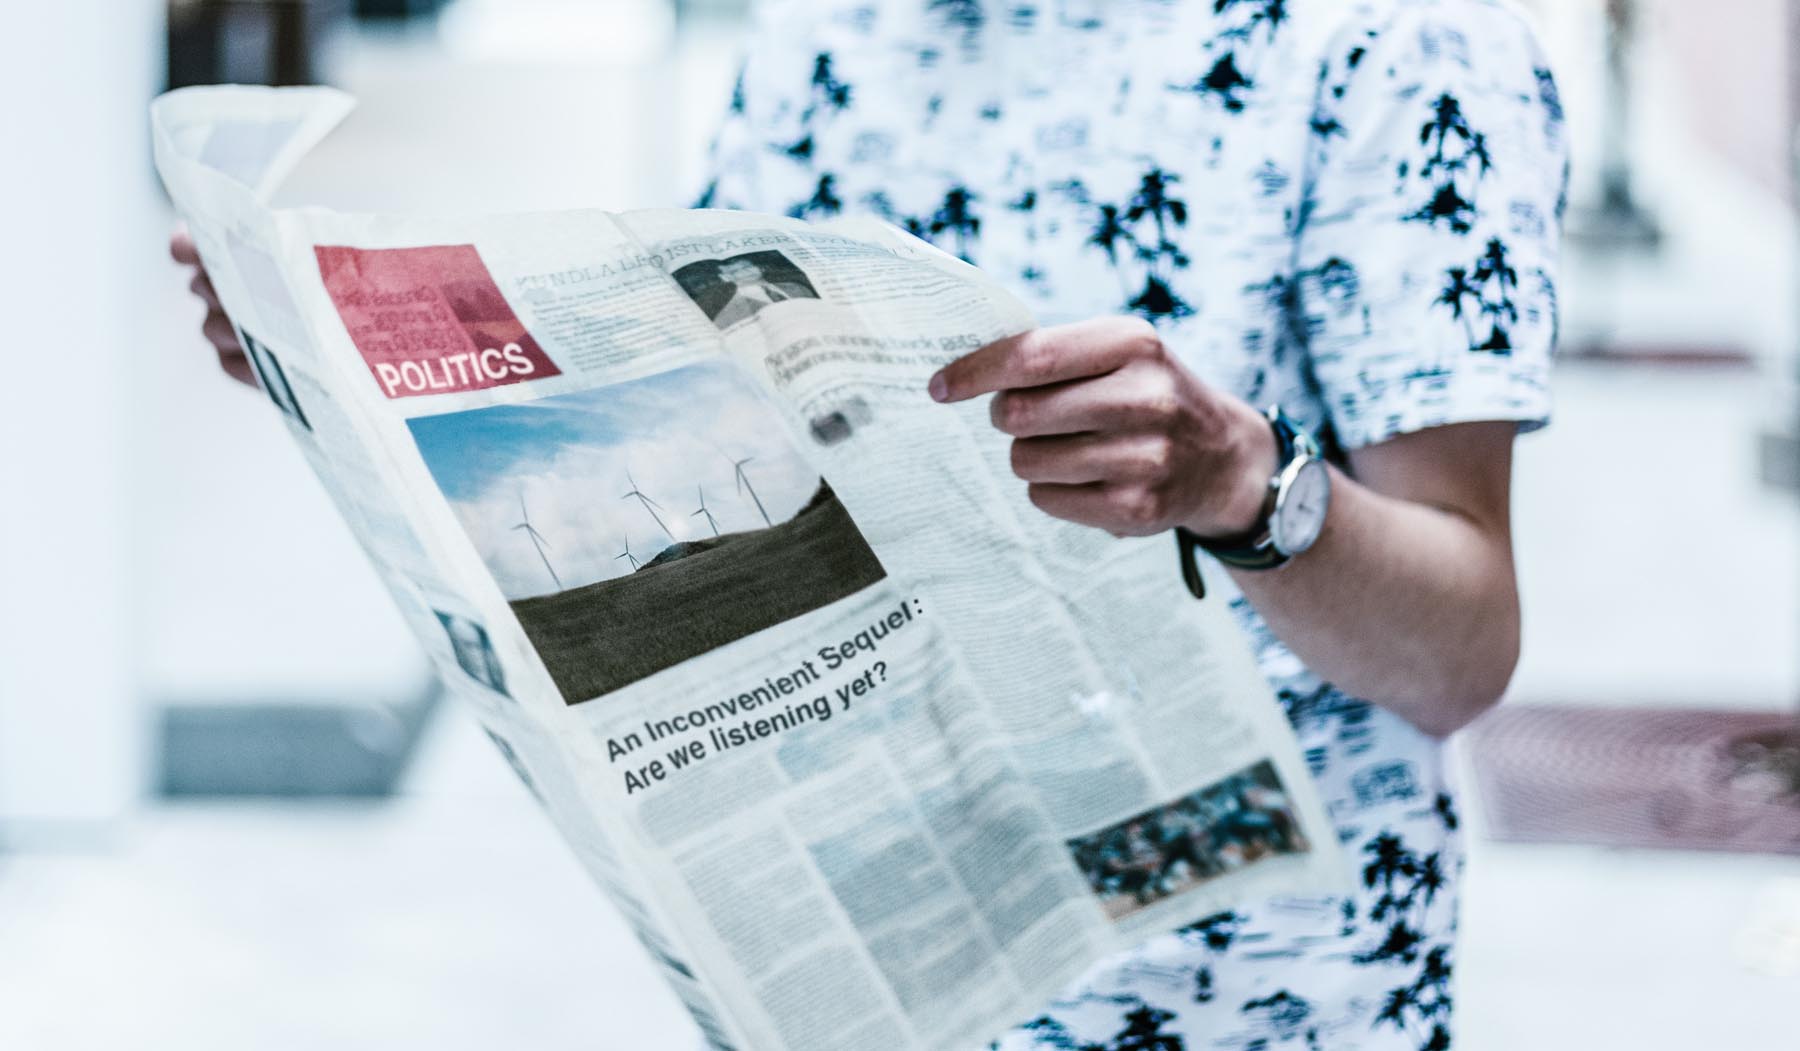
(233, 815)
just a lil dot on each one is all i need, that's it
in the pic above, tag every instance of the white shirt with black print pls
(1348, 207)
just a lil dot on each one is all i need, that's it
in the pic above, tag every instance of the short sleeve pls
(1428, 234)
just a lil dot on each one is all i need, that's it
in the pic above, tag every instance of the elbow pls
(1474, 683)
(1463, 702)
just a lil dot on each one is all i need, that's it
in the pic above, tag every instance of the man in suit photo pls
(750, 288)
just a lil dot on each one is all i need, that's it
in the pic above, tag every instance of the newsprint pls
(870, 754)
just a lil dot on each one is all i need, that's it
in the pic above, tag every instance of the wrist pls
(1238, 506)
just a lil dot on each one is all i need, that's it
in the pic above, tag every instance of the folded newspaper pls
(871, 754)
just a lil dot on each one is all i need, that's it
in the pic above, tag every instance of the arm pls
(1408, 597)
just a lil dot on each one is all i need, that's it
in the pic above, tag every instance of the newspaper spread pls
(870, 753)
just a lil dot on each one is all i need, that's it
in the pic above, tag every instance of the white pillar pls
(80, 214)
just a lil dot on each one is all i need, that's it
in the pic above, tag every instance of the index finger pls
(1044, 356)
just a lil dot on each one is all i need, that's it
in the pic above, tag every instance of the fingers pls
(202, 286)
(1078, 459)
(237, 367)
(1045, 356)
(181, 247)
(218, 331)
(1131, 398)
(1123, 510)
(217, 327)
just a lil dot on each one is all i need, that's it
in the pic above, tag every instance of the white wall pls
(78, 206)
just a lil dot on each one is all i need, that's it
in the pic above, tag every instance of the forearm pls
(1406, 598)
(1407, 605)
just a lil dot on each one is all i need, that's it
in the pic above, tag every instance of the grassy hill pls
(696, 596)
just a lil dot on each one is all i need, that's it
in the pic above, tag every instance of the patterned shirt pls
(1348, 207)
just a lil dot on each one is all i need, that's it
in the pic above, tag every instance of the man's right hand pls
(217, 327)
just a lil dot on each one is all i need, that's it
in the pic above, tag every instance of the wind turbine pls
(628, 556)
(743, 483)
(649, 505)
(537, 539)
(710, 520)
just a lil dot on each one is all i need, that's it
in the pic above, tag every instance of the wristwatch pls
(1293, 512)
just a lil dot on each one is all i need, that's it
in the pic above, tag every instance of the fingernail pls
(938, 387)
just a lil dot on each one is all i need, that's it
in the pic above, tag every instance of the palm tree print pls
(1408, 884)
(1144, 1032)
(827, 94)
(1445, 808)
(1421, 1009)
(1144, 232)
(956, 216)
(1216, 933)
(823, 202)
(1153, 200)
(1026, 204)
(1457, 159)
(1283, 1017)
(1224, 81)
(1456, 289)
(827, 89)
(1270, 13)
(1490, 283)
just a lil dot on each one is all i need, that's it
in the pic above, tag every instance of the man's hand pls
(217, 327)
(1111, 431)
(1406, 599)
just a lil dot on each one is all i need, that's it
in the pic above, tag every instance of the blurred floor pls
(450, 918)
(1654, 570)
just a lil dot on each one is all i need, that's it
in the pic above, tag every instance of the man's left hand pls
(1111, 431)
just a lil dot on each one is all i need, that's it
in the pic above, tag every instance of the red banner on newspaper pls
(429, 320)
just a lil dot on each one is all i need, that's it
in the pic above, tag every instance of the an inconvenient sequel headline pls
(777, 704)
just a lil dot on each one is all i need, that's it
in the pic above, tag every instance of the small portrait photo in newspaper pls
(1182, 844)
(736, 288)
(474, 651)
(273, 378)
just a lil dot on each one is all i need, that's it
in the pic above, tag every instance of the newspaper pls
(870, 753)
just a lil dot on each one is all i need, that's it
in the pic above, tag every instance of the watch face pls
(1301, 516)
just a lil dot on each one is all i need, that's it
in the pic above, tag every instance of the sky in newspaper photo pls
(566, 465)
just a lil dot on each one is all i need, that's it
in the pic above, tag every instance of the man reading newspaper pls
(1302, 263)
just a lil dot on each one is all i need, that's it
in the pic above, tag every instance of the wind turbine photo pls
(649, 505)
(628, 556)
(710, 520)
(743, 483)
(630, 591)
(537, 539)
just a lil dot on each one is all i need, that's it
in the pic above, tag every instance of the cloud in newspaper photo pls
(1178, 846)
(736, 288)
(635, 526)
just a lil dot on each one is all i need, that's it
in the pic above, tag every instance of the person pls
(1348, 209)
(751, 290)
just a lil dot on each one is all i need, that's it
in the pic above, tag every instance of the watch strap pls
(1256, 549)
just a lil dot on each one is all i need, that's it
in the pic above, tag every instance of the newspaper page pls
(870, 753)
